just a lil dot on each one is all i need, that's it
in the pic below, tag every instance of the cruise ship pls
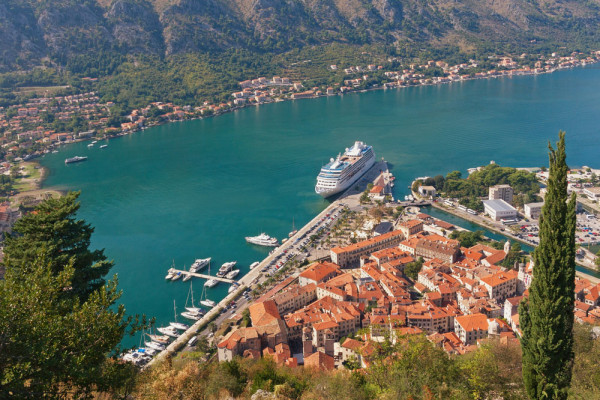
(263, 240)
(340, 173)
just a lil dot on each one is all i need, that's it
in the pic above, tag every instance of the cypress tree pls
(546, 318)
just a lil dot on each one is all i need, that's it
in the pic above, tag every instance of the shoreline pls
(509, 235)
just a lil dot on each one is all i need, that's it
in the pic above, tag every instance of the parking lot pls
(587, 231)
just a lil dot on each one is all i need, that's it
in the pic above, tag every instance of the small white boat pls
(195, 310)
(232, 274)
(176, 276)
(254, 264)
(186, 277)
(94, 141)
(190, 315)
(169, 331)
(155, 346)
(170, 274)
(179, 325)
(208, 303)
(233, 287)
(211, 283)
(91, 145)
(104, 146)
(54, 151)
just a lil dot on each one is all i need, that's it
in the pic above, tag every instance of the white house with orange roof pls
(471, 328)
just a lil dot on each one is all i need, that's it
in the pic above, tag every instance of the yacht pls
(232, 274)
(195, 310)
(225, 268)
(340, 173)
(75, 159)
(199, 264)
(254, 264)
(263, 240)
(169, 331)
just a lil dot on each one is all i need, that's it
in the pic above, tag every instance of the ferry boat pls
(340, 173)
(263, 240)
(75, 159)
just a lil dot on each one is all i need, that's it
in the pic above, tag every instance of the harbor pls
(349, 199)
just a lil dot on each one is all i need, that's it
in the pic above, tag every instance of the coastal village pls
(333, 313)
(29, 130)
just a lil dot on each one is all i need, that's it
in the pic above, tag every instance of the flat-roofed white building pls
(593, 193)
(533, 210)
(499, 209)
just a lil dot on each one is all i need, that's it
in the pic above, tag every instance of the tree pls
(547, 317)
(53, 226)
(56, 346)
(412, 269)
(467, 238)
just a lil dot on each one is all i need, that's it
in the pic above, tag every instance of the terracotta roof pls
(263, 313)
(352, 344)
(368, 242)
(499, 278)
(319, 360)
(473, 322)
(317, 272)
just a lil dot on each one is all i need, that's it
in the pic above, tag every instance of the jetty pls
(217, 278)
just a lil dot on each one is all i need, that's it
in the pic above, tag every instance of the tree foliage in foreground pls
(52, 345)
(547, 317)
(52, 226)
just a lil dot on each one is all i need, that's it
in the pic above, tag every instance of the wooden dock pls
(204, 276)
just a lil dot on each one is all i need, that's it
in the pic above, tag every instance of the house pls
(349, 256)
(471, 328)
(501, 285)
(427, 191)
(318, 272)
(410, 228)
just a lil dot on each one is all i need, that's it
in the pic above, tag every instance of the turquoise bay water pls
(188, 190)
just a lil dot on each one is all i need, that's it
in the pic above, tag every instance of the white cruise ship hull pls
(341, 186)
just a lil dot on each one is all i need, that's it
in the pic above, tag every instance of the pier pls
(203, 276)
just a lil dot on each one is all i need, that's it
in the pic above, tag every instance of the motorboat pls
(232, 274)
(254, 264)
(162, 339)
(211, 283)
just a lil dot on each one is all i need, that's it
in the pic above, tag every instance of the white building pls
(499, 209)
(533, 210)
(501, 192)
(593, 193)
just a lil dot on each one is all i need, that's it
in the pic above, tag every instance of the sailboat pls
(206, 302)
(178, 325)
(193, 313)
(294, 230)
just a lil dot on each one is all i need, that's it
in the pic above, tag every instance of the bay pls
(194, 189)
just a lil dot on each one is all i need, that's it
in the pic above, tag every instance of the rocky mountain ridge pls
(36, 32)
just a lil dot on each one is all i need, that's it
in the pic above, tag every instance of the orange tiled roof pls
(367, 243)
(473, 322)
(317, 272)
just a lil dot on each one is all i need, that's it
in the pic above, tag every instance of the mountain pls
(38, 32)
